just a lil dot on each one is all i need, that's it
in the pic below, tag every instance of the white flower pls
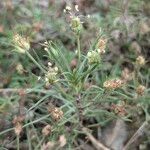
(77, 7)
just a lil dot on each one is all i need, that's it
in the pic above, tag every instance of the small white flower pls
(39, 78)
(88, 16)
(140, 60)
(68, 8)
(45, 42)
(46, 79)
(101, 51)
(76, 51)
(89, 54)
(77, 7)
(56, 69)
(49, 64)
(46, 49)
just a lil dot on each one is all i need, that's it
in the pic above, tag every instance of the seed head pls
(17, 121)
(126, 74)
(113, 84)
(73, 63)
(51, 75)
(140, 60)
(76, 24)
(19, 68)
(119, 109)
(18, 128)
(48, 146)
(101, 45)
(21, 44)
(47, 130)
(56, 113)
(140, 90)
(62, 141)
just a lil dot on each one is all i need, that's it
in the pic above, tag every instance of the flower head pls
(17, 121)
(19, 68)
(119, 109)
(113, 84)
(101, 45)
(46, 130)
(140, 60)
(51, 75)
(126, 74)
(21, 44)
(93, 57)
(140, 90)
(75, 22)
(55, 112)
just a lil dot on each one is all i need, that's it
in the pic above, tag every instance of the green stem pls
(79, 47)
(40, 143)
(136, 73)
(61, 89)
(35, 62)
(18, 147)
(28, 138)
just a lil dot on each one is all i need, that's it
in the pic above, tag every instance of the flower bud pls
(76, 24)
(93, 57)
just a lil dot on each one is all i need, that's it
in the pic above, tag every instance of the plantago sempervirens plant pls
(77, 91)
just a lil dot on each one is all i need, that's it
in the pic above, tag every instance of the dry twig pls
(97, 144)
(136, 135)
